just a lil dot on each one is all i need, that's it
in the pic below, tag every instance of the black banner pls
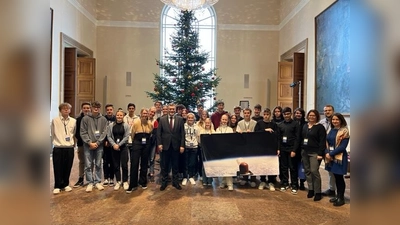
(234, 145)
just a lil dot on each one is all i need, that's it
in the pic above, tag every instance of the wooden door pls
(69, 78)
(85, 80)
(298, 75)
(285, 78)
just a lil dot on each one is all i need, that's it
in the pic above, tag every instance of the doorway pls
(292, 77)
(78, 73)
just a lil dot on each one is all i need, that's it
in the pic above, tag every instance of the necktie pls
(170, 122)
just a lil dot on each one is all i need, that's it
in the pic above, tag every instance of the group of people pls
(108, 142)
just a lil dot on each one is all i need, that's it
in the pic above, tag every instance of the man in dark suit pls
(171, 139)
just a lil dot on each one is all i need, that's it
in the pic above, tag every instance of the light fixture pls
(189, 5)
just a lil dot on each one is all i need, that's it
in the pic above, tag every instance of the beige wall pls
(67, 19)
(122, 50)
(299, 28)
(242, 52)
(239, 52)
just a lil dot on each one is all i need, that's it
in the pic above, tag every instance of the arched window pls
(206, 27)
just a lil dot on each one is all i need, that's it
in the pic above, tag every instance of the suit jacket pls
(174, 137)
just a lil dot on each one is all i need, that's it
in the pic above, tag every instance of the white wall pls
(299, 28)
(69, 20)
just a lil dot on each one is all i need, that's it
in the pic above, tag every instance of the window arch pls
(205, 25)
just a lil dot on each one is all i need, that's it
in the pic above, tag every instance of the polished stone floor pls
(192, 205)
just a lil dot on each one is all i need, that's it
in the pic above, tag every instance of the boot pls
(332, 200)
(340, 200)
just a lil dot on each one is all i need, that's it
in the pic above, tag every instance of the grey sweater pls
(110, 135)
(89, 125)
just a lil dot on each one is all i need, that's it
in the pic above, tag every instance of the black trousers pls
(62, 164)
(200, 162)
(286, 164)
(140, 154)
(170, 157)
(340, 184)
(108, 164)
(120, 161)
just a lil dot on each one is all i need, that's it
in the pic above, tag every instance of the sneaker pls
(67, 189)
(89, 188)
(294, 191)
(111, 183)
(230, 187)
(243, 182)
(56, 191)
(117, 186)
(284, 188)
(262, 185)
(222, 185)
(271, 187)
(126, 185)
(253, 184)
(105, 183)
(130, 189)
(192, 181)
(99, 186)
(184, 182)
(79, 183)
(144, 187)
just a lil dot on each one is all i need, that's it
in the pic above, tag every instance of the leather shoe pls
(177, 186)
(332, 200)
(310, 194)
(317, 197)
(329, 193)
(339, 202)
(163, 186)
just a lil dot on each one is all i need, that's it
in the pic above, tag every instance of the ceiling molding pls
(135, 24)
(293, 13)
(248, 27)
(82, 9)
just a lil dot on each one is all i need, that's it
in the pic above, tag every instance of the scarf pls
(342, 133)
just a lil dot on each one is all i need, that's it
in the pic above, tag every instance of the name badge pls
(331, 148)
(305, 141)
(284, 139)
(118, 140)
(97, 134)
(67, 138)
(143, 141)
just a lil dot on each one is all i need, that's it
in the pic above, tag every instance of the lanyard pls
(65, 125)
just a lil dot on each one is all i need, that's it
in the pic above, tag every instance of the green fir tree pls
(185, 80)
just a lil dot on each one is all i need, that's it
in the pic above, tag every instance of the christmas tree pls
(184, 79)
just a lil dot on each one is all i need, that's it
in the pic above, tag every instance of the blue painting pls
(333, 57)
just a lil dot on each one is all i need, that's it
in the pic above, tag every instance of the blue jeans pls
(190, 156)
(93, 156)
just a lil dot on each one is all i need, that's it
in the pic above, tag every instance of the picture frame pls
(244, 104)
(332, 57)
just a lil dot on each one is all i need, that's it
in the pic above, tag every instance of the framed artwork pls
(244, 104)
(332, 56)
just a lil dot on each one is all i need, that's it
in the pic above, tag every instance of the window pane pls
(205, 25)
